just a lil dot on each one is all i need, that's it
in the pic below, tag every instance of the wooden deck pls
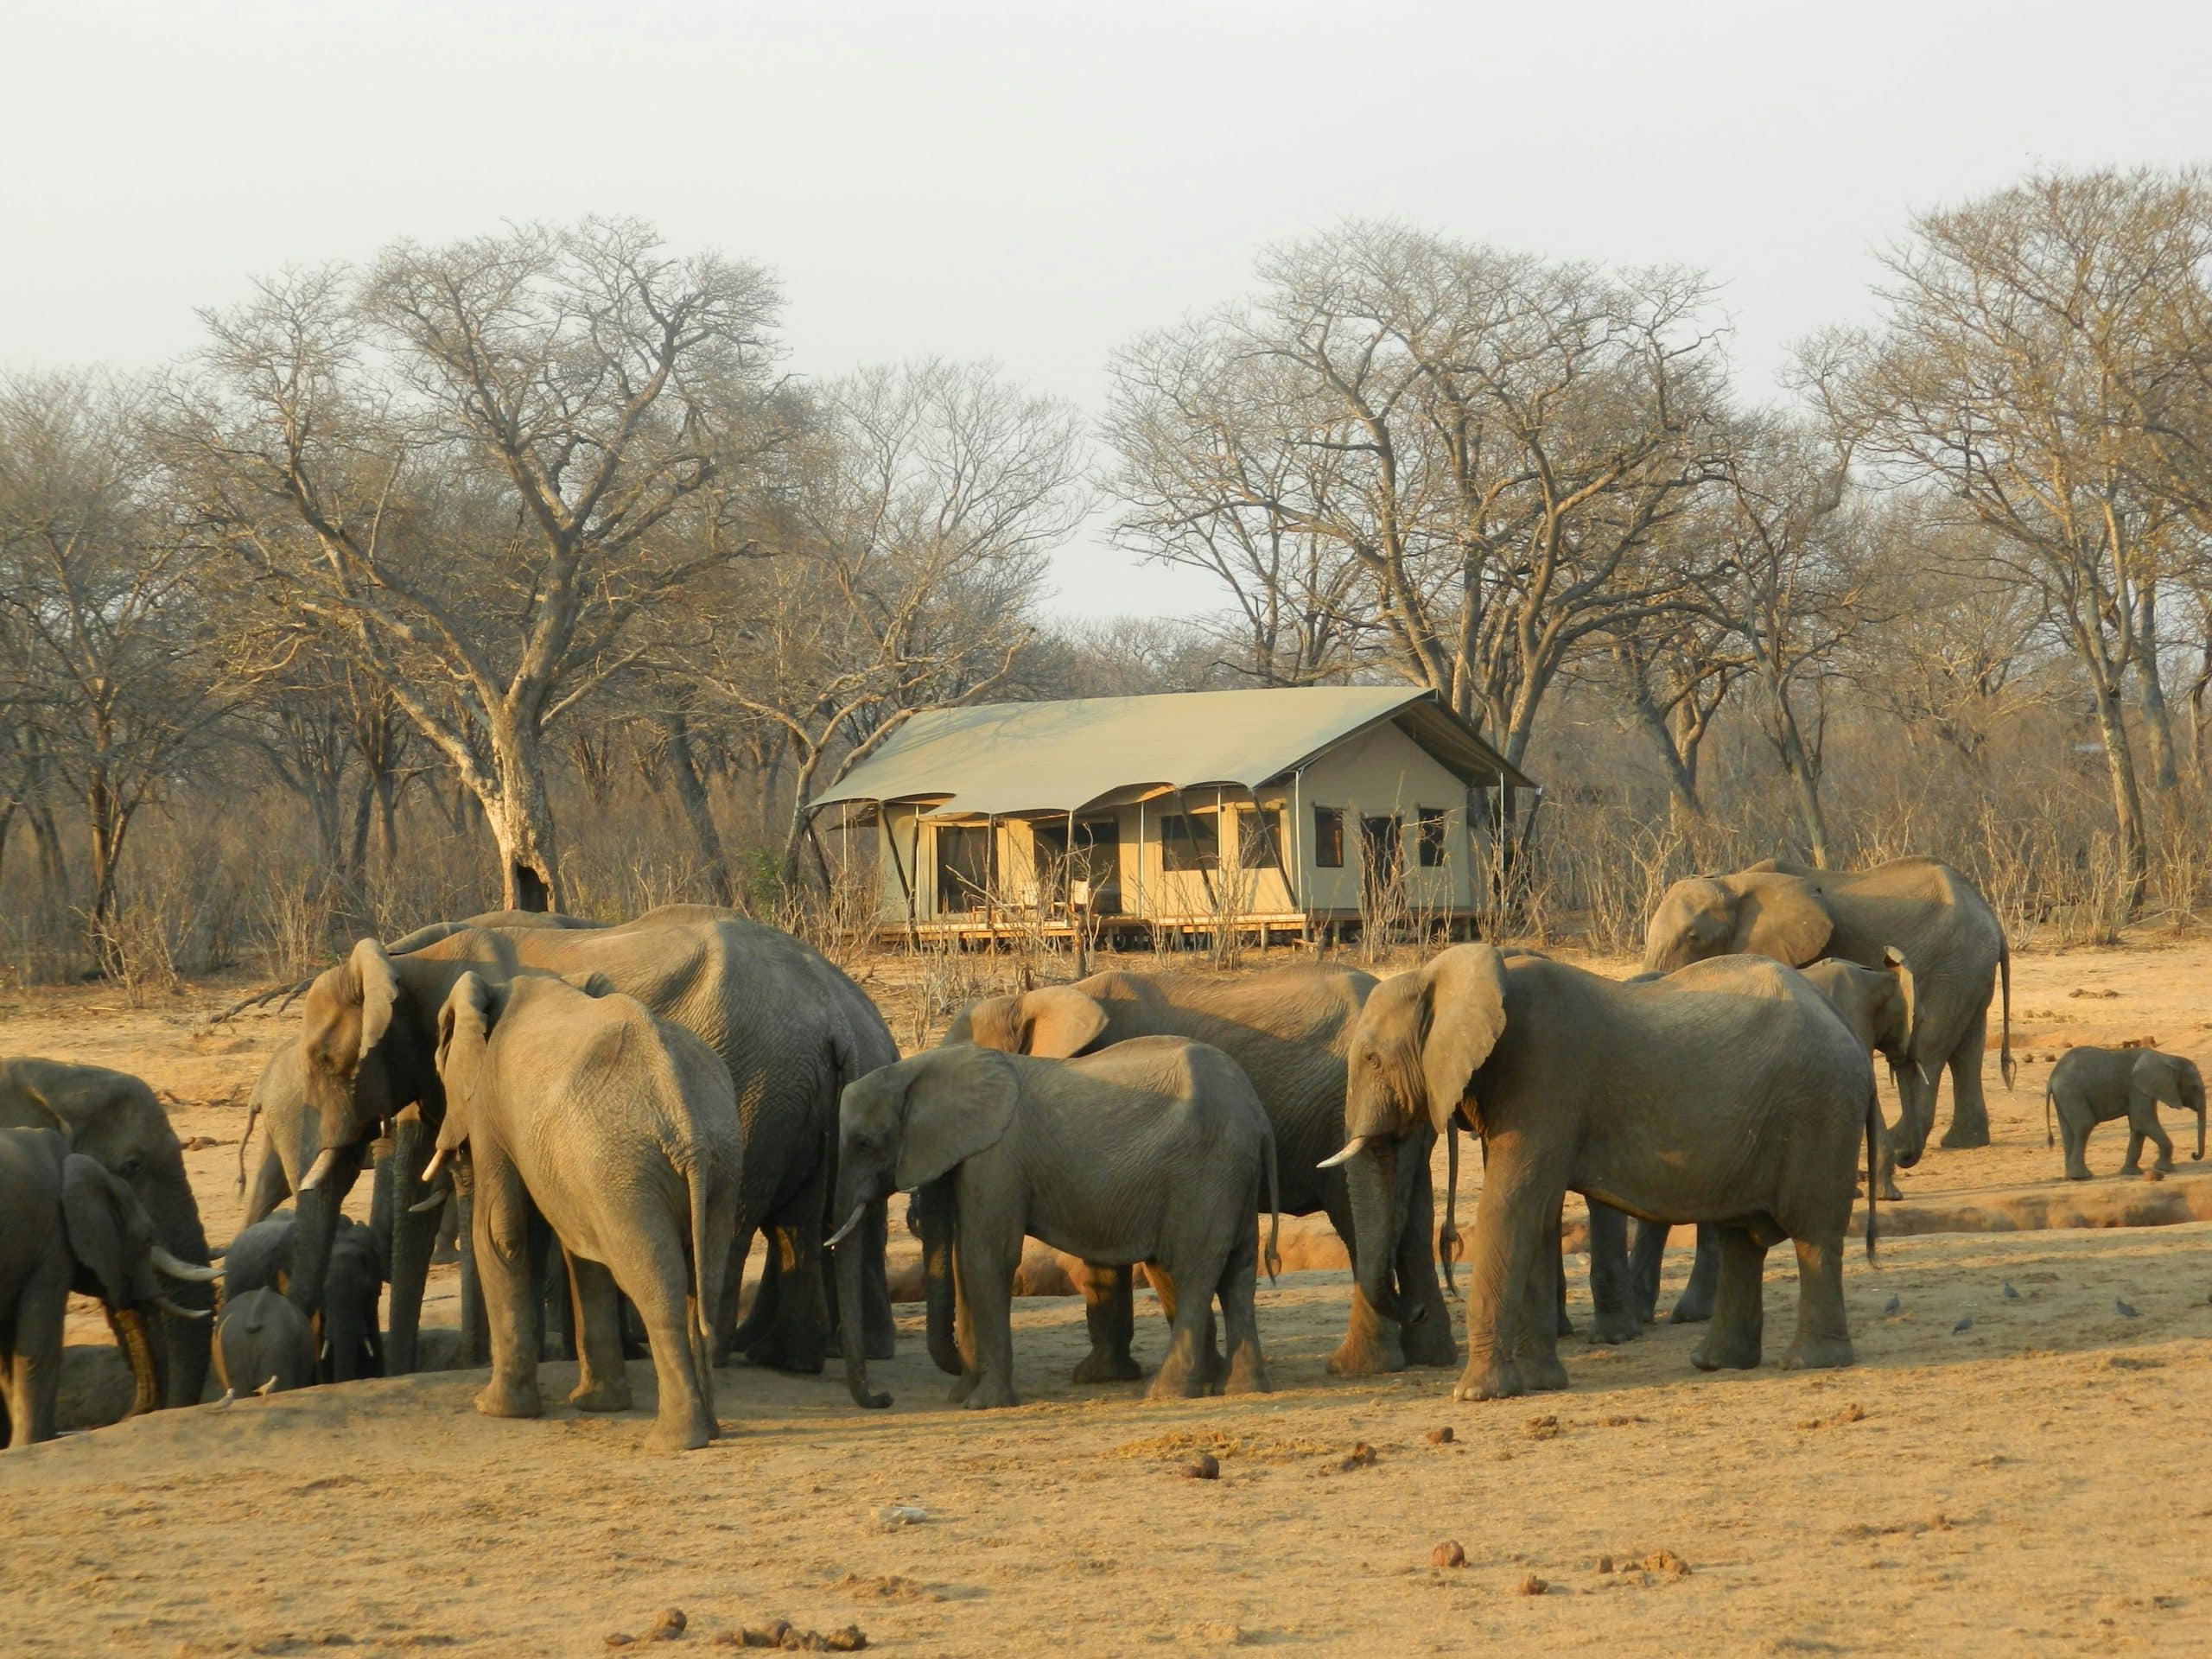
(1011, 927)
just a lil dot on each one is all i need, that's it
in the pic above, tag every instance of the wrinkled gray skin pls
(1743, 1105)
(113, 1118)
(349, 1345)
(67, 1224)
(621, 1131)
(789, 1027)
(1879, 1008)
(2090, 1086)
(262, 1343)
(1154, 1150)
(1289, 1030)
(1921, 908)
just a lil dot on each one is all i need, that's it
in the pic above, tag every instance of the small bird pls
(1965, 1324)
(1897, 1302)
(2126, 1312)
(2011, 1294)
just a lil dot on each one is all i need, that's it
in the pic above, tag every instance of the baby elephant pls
(2091, 1086)
(347, 1339)
(621, 1131)
(1879, 1005)
(262, 1343)
(67, 1223)
(1152, 1150)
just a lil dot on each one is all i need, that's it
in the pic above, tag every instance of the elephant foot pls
(779, 1354)
(1364, 1354)
(686, 1431)
(2077, 1175)
(1565, 1327)
(1108, 1365)
(1491, 1380)
(606, 1395)
(882, 1331)
(1247, 1376)
(1819, 1354)
(2164, 1166)
(1889, 1193)
(500, 1398)
(1693, 1306)
(1721, 1352)
(1966, 1136)
(989, 1394)
(1612, 1328)
(1545, 1374)
(1430, 1342)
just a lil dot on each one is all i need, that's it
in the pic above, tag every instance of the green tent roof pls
(1005, 758)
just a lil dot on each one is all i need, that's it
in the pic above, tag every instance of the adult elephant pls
(1729, 1094)
(113, 1118)
(1925, 909)
(1289, 1029)
(766, 1003)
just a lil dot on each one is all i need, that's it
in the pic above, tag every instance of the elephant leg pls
(2143, 1125)
(475, 1338)
(1511, 1226)
(1645, 1258)
(2073, 1126)
(2133, 1164)
(798, 1336)
(725, 1326)
(602, 1380)
(1371, 1345)
(1969, 1111)
(1823, 1335)
(1211, 1367)
(557, 1311)
(447, 1250)
(1886, 1153)
(1183, 1375)
(1536, 1351)
(759, 1318)
(1239, 1287)
(1695, 1305)
(1427, 1340)
(1109, 1313)
(661, 1287)
(1735, 1341)
(502, 1241)
(985, 1262)
(879, 1327)
(1613, 1297)
(34, 1375)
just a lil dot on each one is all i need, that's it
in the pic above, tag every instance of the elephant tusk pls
(437, 1162)
(1924, 1077)
(319, 1171)
(176, 1267)
(436, 1201)
(1350, 1152)
(180, 1310)
(859, 1211)
(229, 1398)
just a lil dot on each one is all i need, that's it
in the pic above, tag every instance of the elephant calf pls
(345, 1339)
(621, 1130)
(1152, 1150)
(2090, 1086)
(67, 1223)
(262, 1343)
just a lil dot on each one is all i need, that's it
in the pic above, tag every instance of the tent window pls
(1430, 825)
(1329, 837)
(964, 867)
(1189, 844)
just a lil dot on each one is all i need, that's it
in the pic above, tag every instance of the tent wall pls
(1384, 774)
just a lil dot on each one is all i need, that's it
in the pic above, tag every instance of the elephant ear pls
(2159, 1077)
(379, 987)
(1463, 998)
(1784, 919)
(94, 1219)
(1059, 1022)
(464, 1023)
(958, 1103)
(591, 983)
(1900, 970)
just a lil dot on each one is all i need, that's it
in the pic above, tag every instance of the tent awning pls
(1004, 758)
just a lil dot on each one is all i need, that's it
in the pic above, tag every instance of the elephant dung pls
(1450, 1553)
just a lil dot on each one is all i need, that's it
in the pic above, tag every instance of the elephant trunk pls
(413, 1236)
(178, 1342)
(933, 1204)
(1372, 1180)
(316, 1209)
(130, 1331)
(2200, 1123)
(848, 1253)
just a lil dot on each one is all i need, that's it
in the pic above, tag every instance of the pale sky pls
(1035, 183)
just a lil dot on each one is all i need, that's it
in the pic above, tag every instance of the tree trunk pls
(2126, 798)
(691, 794)
(2157, 722)
(521, 820)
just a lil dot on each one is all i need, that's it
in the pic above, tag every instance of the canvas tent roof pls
(1006, 758)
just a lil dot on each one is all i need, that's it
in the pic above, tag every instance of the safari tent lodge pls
(1275, 813)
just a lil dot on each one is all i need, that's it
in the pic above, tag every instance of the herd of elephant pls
(614, 1114)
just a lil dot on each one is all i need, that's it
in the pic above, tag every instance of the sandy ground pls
(2035, 1482)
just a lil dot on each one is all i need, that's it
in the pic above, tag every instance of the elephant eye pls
(129, 1167)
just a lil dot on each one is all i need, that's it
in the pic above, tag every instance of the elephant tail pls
(252, 1112)
(706, 1288)
(1448, 1240)
(2004, 977)
(1873, 1163)
(1275, 1213)
(2049, 1139)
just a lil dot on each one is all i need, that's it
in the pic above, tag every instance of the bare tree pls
(476, 466)
(916, 535)
(107, 636)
